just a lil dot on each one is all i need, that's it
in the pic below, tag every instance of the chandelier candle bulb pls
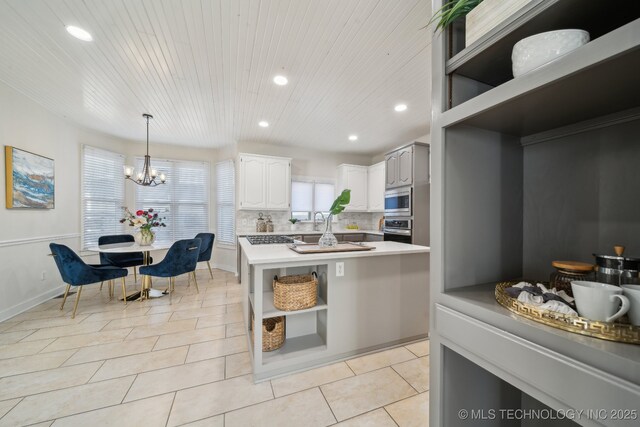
(147, 177)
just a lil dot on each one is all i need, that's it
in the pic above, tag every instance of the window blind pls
(308, 197)
(225, 190)
(183, 201)
(102, 194)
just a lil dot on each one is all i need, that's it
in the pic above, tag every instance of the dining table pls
(147, 290)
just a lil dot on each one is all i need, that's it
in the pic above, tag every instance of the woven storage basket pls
(273, 332)
(295, 292)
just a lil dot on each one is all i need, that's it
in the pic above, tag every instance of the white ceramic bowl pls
(532, 52)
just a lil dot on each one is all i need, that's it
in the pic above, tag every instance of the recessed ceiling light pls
(400, 107)
(280, 80)
(353, 137)
(79, 33)
(263, 124)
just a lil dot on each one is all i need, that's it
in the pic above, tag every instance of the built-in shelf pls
(488, 60)
(268, 310)
(547, 98)
(478, 301)
(295, 347)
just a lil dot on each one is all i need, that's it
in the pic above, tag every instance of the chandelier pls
(148, 175)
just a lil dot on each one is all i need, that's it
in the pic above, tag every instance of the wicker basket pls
(295, 292)
(273, 332)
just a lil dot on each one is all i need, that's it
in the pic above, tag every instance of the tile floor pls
(185, 362)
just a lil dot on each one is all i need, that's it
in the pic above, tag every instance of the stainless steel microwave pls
(397, 202)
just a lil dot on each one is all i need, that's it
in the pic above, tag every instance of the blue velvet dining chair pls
(76, 272)
(181, 258)
(131, 259)
(206, 248)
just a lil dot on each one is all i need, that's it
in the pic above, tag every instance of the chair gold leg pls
(135, 275)
(188, 281)
(66, 292)
(101, 283)
(195, 281)
(210, 271)
(75, 306)
(171, 288)
(124, 292)
(110, 290)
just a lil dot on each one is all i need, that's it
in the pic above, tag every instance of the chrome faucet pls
(315, 222)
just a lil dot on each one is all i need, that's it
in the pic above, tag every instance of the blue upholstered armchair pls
(182, 257)
(76, 272)
(132, 259)
(206, 248)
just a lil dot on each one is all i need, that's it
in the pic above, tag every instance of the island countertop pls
(280, 253)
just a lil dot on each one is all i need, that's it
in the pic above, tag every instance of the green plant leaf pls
(339, 204)
(451, 11)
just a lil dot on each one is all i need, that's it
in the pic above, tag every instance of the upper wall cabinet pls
(391, 167)
(264, 182)
(399, 168)
(354, 178)
(376, 187)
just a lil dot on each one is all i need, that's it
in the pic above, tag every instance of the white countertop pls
(308, 232)
(271, 254)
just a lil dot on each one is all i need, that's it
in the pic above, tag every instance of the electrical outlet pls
(339, 269)
(43, 275)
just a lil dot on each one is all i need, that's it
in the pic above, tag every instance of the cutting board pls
(312, 248)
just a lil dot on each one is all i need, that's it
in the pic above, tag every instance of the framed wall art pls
(30, 180)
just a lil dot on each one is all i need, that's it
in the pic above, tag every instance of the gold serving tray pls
(619, 332)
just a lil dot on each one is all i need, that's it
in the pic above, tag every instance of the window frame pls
(232, 205)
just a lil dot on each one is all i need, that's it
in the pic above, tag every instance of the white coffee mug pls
(599, 301)
(633, 293)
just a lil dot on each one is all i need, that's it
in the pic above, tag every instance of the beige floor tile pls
(217, 421)
(128, 311)
(411, 412)
(134, 322)
(214, 300)
(193, 297)
(7, 405)
(234, 308)
(237, 365)
(44, 314)
(379, 360)
(420, 349)
(86, 340)
(23, 348)
(147, 412)
(8, 325)
(362, 393)
(34, 363)
(170, 308)
(415, 372)
(309, 379)
(197, 312)
(235, 329)
(111, 350)
(48, 323)
(66, 331)
(307, 408)
(70, 401)
(217, 348)
(377, 418)
(52, 379)
(162, 329)
(42, 424)
(15, 336)
(176, 378)
(216, 398)
(219, 319)
(138, 363)
(190, 337)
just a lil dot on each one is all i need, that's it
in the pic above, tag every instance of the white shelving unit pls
(514, 166)
(268, 310)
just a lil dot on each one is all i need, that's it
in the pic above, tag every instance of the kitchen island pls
(380, 300)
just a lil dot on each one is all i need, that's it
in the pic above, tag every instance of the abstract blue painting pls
(30, 179)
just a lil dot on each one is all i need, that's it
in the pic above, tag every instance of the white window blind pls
(308, 197)
(102, 194)
(225, 190)
(183, 201)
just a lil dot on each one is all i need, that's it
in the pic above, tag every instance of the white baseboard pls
(30, 303)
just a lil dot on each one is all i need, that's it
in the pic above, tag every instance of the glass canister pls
(269, 224)
(567, 271)
(261, 225)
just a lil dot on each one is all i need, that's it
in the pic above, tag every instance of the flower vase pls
(145, 237)
(328, 240)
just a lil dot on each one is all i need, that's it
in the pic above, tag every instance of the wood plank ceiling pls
(204, 68)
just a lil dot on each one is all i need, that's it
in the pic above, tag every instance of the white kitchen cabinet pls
(264, 182)
(391, 170)
(355, 178)
(376, 187)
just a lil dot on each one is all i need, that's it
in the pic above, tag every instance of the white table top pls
(121, 248)
(280, 253)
